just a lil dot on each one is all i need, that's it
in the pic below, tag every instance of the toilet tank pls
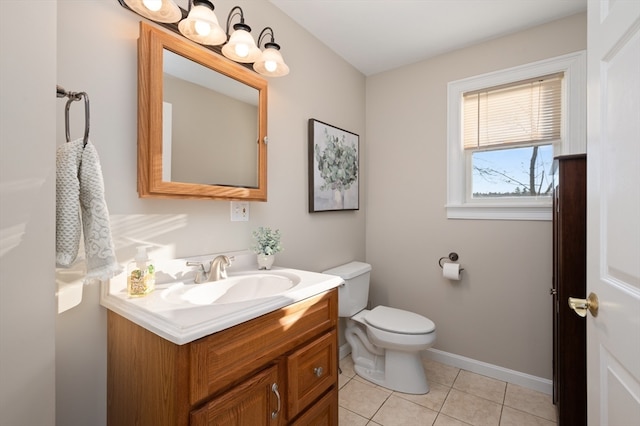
(353, 296)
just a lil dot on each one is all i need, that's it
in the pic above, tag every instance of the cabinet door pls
(254, 402)
(554, 286)
(570, 339)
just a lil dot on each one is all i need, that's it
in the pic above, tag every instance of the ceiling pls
(379, 35)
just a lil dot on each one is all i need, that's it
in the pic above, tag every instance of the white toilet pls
(385, 342)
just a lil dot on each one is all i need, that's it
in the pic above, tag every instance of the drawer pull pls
(274, 389)
(318, 371)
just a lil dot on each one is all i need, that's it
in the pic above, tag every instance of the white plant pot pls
(265, 261)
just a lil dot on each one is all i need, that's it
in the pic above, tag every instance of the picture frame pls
(334, 168)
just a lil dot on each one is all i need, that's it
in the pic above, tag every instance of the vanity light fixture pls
(271, 63)
(157, 10)
(201, 25)
(241, 47)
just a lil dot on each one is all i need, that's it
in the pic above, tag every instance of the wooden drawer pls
(311, 370)
(322, 413)
(228, 356)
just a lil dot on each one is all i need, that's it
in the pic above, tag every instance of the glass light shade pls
(241, 47)
(167, 12)
(152, 5)
(202, 27)
(271, 63)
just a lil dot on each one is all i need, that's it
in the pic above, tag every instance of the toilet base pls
(398, 370)
(401, 372)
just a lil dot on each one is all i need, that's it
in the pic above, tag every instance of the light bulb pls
(202, 28)
(270, 66)
(153, 5)
(242, 50)
(271, 63)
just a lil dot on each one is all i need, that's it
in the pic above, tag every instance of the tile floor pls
(457, 397)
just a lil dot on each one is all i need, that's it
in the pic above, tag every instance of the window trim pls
(573, 135)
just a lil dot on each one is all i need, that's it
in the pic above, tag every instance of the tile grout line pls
(504, 398)
(381, 405)
(447, 395)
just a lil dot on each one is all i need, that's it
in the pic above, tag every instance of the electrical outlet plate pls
(239, 211)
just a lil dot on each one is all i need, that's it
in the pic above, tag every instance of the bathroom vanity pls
(277, 368)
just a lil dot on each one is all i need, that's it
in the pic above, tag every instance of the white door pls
(613, 212)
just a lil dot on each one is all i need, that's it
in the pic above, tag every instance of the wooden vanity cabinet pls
(277, 369)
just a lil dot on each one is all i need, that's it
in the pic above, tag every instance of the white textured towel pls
(80, 189)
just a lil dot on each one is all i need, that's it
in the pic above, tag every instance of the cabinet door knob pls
(318, 371)
(274, 389)
(580, 306)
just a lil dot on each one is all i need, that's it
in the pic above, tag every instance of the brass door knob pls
(580, 306)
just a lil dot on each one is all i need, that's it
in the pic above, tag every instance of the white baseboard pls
(344, 351)
(510, 376)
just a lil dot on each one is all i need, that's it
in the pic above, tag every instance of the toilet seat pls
(398, 321)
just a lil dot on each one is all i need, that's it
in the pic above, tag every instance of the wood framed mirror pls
(202, 122)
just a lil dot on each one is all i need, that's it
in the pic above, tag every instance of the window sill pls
(499, 212)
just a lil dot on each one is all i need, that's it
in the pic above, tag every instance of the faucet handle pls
(200, 273)
(225, 265)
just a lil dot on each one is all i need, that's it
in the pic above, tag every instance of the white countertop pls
(183, 323)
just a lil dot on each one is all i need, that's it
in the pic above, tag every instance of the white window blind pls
(526, 112)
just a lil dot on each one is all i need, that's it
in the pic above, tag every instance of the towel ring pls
(75, 96)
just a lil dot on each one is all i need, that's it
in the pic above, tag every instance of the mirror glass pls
(210, 126)
(202, 122)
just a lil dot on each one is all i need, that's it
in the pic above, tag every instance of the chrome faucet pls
(217, 269)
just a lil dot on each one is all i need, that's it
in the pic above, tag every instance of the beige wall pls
(27, 213)
(500, 313)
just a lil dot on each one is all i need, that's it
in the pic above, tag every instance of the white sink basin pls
(238, 288)
(181, 311)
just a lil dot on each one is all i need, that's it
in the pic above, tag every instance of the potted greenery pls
(266, 245)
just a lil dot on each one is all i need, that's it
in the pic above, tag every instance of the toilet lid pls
(399, 321)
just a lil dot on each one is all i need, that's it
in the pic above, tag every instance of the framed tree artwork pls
(333, 168)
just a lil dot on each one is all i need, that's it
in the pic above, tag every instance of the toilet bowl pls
(385, 342)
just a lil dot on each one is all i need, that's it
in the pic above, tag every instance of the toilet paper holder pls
(452, 258)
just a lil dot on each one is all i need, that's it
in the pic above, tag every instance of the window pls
(508, 132)
(504, 130)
